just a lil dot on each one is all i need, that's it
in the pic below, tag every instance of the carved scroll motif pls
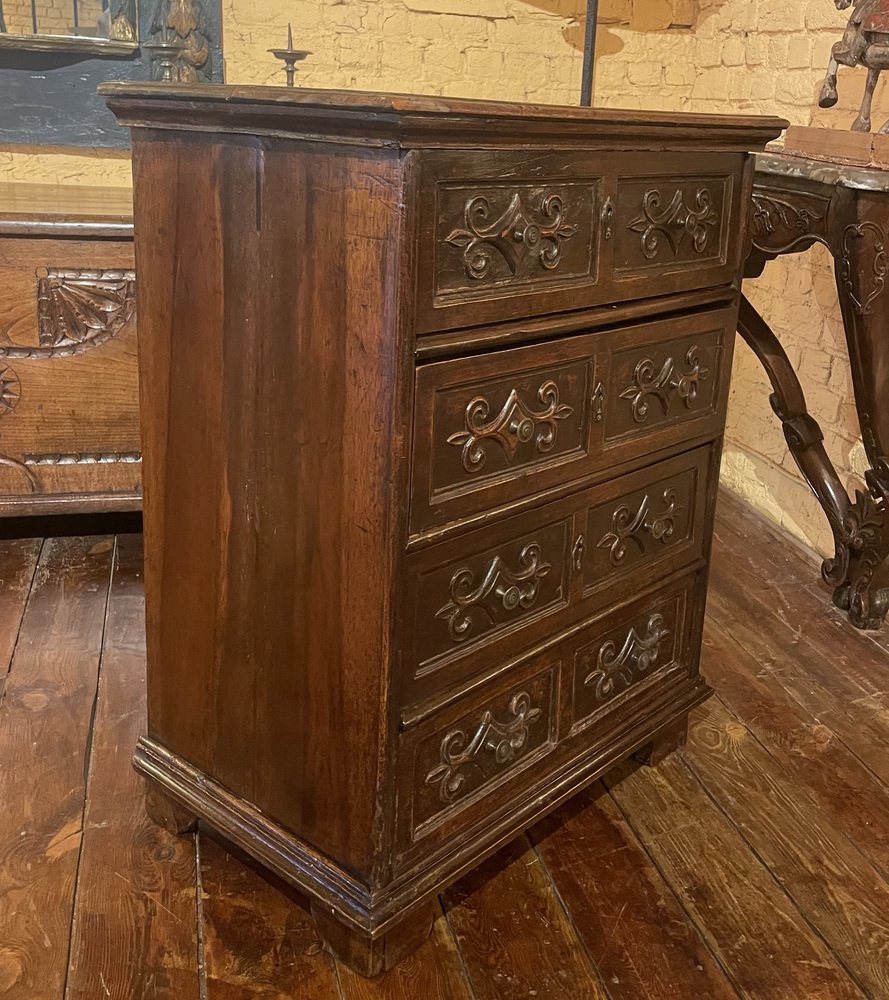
(772, 214)
(665, 384)
(515, 424)
(503, 741)
(517, 234)
(499, 588)
(852, 265)
(675, 222)
(616, 669)
(628, 526)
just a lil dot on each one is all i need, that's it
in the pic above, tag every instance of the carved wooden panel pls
(68, 375)
(505, 237)
(486, 590)
(663, 383)
(626, 652)
(643, 527)
(457, 761)
(663, 223)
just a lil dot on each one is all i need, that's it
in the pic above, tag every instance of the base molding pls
(374, 913)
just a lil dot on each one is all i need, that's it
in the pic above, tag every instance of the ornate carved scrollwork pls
(515, 424)
(665, 384)
(499, 587)
(772, 214)
(616, 669)
(516, 234)
(675, 222)
(851, 265)
(629, 526)
(78, 309)
(503, 740)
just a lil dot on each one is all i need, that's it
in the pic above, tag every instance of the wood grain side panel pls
(271, 412)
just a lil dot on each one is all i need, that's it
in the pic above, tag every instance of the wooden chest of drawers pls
(69, 395)
(433, 402)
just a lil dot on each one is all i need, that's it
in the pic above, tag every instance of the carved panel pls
(511, 235)
(641, 527)
(482, 748)
(624, 655)
(781, 219)
(477, 596)
(501, 426)
(656, 384)
(864, 264)
(665, 221)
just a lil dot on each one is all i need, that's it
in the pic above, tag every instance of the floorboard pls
(752, 864)
(46, 710)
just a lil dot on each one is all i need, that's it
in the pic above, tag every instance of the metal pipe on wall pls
(589, 53)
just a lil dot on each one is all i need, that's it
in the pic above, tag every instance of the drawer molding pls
(665, 385)
(502, 740)
(675, 222)
(512, 589)
(514, 425)
(519, 235)
(628, 526)
(617, 670)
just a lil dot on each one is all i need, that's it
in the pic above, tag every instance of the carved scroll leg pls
(667, 741)
(803, 435)
(371, 956)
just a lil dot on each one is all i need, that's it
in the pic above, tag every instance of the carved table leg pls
(371, 956)
(168, 814)
(667, 741)
(860, 538)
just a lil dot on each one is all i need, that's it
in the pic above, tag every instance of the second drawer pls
(473, 602)
(505, 425)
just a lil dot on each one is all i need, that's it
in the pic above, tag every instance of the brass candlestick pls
(165, 54)
(290, 56)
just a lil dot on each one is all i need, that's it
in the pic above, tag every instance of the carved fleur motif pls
(503, 741)
(515, 235)
(860, 242)
(616, 669)
(664, 385)
(675, 222)
(515, 424)
(628, 526)
(500, 588)
(10, 390)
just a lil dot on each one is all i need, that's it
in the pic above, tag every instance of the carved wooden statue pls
(865, 43)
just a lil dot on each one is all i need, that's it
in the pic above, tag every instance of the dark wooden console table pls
(796, 203)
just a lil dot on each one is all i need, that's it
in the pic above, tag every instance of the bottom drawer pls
(469, 765)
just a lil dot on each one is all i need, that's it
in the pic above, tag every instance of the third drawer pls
(501, 426)
(473, 602)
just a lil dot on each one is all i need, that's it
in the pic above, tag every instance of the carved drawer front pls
(496, 427)
(466, 595)
(672, 226)
(667, 382)
(459, 757)
(629, 651)
(654, 525)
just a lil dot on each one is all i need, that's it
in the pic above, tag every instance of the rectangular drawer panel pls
(472, 602)
(507, 424)
(464, 765)
(504, 235)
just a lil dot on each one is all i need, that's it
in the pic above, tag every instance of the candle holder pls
(290, 56)
(166, 55)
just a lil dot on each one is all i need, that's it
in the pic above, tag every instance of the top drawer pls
(506, 235)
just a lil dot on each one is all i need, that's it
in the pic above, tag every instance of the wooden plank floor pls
(755, 863)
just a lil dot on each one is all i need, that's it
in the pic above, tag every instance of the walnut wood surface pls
(645, 926)
(346, 680)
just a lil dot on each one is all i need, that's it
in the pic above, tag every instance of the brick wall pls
(694, 55)
(54, 17)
